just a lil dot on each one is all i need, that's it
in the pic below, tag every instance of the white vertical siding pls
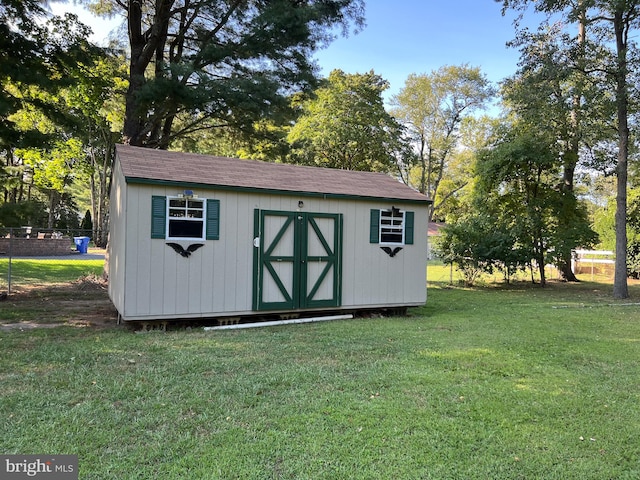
(117, 239)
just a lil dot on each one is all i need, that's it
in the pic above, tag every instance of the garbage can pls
(82, 244)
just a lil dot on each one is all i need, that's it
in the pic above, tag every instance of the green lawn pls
(26, 272)
(487, 383)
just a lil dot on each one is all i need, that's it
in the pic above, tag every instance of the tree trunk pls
(102, 224)
(540, 250)
(53, 201)
(132, 117)
(144, 46)
(620, 287)
(572, 155)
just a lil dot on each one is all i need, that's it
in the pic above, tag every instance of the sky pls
(402, 37)
(419, 36)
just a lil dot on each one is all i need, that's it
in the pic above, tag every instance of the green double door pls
(297, 260)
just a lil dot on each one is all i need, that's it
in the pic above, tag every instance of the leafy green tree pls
(614, 67)
(346, 126)
(518, 178)
(39, 65)
(28, 212)
(35, 57)
(455, 189)
(477, 244)
(267, 141)
(52, 171)
(518, 174)
(96, 104)
(214, 63)
(549, 91)
(604, 224)
(24, 61)
(432, 107)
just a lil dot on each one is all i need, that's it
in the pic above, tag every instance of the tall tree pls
(39, 61)
(519, 173)
(345, 125)
(35, 54)
(432, 106)
(22, 61)
(220, 62)
(52, 172)
(611, 23)
(97, 102)
(549, 91)
(475, 135)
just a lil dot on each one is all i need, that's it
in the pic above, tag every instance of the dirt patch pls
(82, 303)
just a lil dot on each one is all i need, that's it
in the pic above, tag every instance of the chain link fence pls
(31, 256)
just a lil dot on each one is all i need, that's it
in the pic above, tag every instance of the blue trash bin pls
(82, 244)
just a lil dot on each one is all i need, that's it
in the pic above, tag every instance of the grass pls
(38, 272)
(497, 382)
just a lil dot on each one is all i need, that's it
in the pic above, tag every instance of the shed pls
(195, 236)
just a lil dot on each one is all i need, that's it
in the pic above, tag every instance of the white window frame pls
(393, 224)
(201, 219)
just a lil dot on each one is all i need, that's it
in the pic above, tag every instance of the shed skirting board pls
(280, 322)
(249, 314)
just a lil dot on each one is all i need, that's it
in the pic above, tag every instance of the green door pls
(297, 260)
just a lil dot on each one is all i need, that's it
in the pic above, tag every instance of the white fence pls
(596, 261)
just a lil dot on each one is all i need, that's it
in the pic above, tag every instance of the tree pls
(52, 171)
(477, 244)
(220, 62)
(40, 67)
(451, 201)
(517, 179)
(96, 103)
(23, 61)
(517, 174)
(604, 224)
(549, 91)
(346, 126)
(87, 223)
(611, 23)
(432, 108)
(34, 58)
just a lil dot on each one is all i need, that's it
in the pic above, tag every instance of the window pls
(391, 227)
(186, 218)
(179, 218)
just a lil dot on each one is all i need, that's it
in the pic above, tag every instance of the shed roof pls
(145, 165)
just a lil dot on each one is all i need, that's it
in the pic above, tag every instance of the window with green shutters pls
(391, 227)
(180, 218)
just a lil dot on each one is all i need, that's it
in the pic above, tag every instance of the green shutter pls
(213, 219)
(158, 216)
(408, 228)
(374, 234)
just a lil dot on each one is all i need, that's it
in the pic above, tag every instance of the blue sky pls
(419, 36)
(409, 36)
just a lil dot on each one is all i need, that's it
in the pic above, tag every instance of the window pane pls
(195, 204)
(176, 213)
(185, 229)
(393, 237)
(177, 202)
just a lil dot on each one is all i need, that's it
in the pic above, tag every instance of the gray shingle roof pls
(145, 165)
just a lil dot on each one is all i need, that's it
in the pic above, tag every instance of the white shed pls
(202, 237)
